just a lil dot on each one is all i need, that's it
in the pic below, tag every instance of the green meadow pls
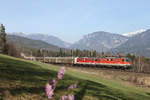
(25, 80)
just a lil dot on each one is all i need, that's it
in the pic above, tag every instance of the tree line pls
(65, 53)
(6, 47)
(140, 63)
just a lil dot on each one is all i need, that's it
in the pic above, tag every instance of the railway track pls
(96, 67)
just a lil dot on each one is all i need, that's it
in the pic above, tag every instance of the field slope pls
(25, 80)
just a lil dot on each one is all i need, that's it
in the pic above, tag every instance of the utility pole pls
(31, 55)
(102, 53)
(72, 52)
(72, 56)
(43, 52)
(139, 63)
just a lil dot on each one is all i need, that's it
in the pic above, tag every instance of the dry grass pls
(136, 79)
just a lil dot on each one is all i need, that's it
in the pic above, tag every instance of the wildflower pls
(53, 82)
(50, 87)
(61, 73)
(49, 91)
(72, 87)
(64, 97)
(71, 97)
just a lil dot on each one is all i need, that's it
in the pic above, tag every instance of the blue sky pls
(71, 19)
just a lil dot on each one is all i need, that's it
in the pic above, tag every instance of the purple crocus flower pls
(71, 97)
(49, 91)
(52, 82)
(64, 97)
(72, 87)
(61, 73)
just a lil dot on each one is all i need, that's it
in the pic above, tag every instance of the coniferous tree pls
(94, 53)
(60, 52)
(77, 53)
(3, 39)
(72, 52)
(39, 53)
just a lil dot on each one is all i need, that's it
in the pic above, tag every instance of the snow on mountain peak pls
(19, 33)
(130, 34)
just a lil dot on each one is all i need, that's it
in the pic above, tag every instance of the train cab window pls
(104, 59)
(96, 59)
(128, 60)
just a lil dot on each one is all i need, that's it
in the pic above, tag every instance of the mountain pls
(99, 41)
(44, 37)
(138, 44)
(130, 34)
(25, 42)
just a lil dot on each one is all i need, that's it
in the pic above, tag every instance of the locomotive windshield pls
(96, 59)
(128, 60)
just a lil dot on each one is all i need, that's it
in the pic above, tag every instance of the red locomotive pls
(109, 61)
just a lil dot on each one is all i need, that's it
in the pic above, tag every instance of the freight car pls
(107, 62)
(59, 60)
(56, 60)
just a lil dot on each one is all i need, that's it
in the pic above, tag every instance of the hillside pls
(100, 41)
(36, 44)
(21, 79)
(44, 37)
(138, 44)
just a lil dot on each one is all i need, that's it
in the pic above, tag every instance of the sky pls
(70, 20)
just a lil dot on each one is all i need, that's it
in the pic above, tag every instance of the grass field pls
(25, 80)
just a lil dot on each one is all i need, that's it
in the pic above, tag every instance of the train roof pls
(103, 57)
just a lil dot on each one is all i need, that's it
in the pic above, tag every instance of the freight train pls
(116, 62)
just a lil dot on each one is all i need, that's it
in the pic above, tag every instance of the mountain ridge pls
(44, 37)
(36, 44)
(99, 41)
(138, 44)
(107, 42)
